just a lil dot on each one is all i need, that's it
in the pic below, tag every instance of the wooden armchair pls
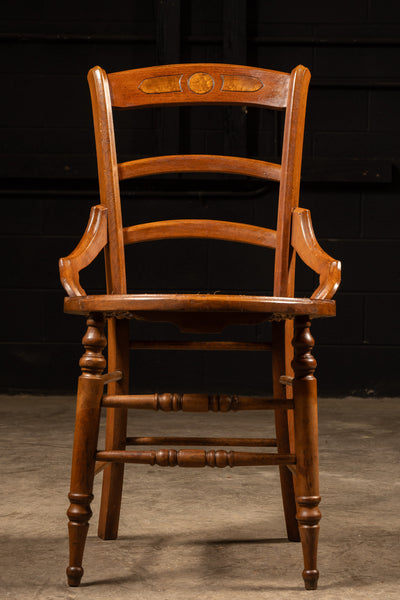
(294, 398)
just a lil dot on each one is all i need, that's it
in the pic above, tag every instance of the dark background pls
(350, 179)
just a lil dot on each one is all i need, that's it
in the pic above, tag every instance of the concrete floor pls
(207, 533)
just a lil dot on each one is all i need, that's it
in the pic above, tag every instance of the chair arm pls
(93, 241)
(306, 245)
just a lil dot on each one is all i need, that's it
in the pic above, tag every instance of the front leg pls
(306, 439)
(90, 391)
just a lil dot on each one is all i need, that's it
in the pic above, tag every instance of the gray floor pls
(207, 533)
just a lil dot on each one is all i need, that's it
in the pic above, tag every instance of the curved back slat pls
(199, 163)
(200, 228)
(199, 83)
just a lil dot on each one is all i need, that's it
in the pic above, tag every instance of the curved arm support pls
(93, 241)
(306, 245)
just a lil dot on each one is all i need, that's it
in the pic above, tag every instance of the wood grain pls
(93, 241)
(196, 402)
(199, 163)
(132, 304)
(108, 179)
(284, 425)
(306, 245)
(294, 397)
(306, 437)
(200, 228)
(90, 390)
(290, 180)
(223, 346)
(196, 458)
(130, 89)
(201, 441)
(116, 429)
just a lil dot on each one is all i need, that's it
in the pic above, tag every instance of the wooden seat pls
(294, 397)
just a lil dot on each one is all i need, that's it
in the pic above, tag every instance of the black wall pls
(350, 178)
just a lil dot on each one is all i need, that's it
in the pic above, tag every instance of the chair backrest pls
(200, 83)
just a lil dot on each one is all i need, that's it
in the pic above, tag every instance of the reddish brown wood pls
(199, 163)
(200, 228)
(283, 415)
(118, 352)
(207, 313)
(99, 467)
(290, 180)
(306, 436)
(90, 390)
(306, 245)
(201, 345)
(180, 84)
(270, 307)
(93, 241)
(196, 402)
(200, 441)
(286, 380)
(108, 179)
(196, 458)
(294, 400)
(112, 376)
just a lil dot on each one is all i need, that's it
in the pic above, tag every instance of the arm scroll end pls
(93, 241)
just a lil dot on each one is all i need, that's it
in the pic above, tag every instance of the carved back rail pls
(199, 83)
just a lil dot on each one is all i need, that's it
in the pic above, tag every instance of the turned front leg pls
(90, 391)
(306, 441)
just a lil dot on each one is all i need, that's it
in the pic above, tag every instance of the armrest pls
(306, 245)
(93, 241)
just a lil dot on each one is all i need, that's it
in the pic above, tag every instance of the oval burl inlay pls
(241, 83)
(201, 83)
(161, 84)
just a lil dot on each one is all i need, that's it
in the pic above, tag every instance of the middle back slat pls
(199, 163)
(200, 228)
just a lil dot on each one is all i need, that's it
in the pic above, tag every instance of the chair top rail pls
(199, 83)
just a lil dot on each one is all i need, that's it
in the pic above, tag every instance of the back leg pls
(113, 475)
(281, 359)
